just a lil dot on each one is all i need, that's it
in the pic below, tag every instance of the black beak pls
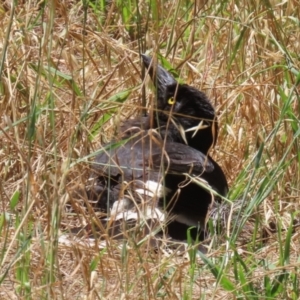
(160, 77)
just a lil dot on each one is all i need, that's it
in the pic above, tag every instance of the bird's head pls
(185, 113)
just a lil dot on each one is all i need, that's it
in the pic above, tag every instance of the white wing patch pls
(153, 188)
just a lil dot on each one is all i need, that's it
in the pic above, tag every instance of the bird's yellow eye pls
(171, 101)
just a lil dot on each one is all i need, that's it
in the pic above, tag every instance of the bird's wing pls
(180, 158)
(144, 153)
(120, 158)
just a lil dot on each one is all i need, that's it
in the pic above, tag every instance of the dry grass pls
(71, 71)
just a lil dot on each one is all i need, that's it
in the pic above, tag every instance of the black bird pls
(175, 155)
(183, 114)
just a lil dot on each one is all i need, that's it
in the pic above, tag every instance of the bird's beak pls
(160, 77)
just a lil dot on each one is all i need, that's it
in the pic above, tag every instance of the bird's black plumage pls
(146, 158)
(145, 151)
(170, 146)
(183, 113)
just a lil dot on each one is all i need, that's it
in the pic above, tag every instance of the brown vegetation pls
(71, 72)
